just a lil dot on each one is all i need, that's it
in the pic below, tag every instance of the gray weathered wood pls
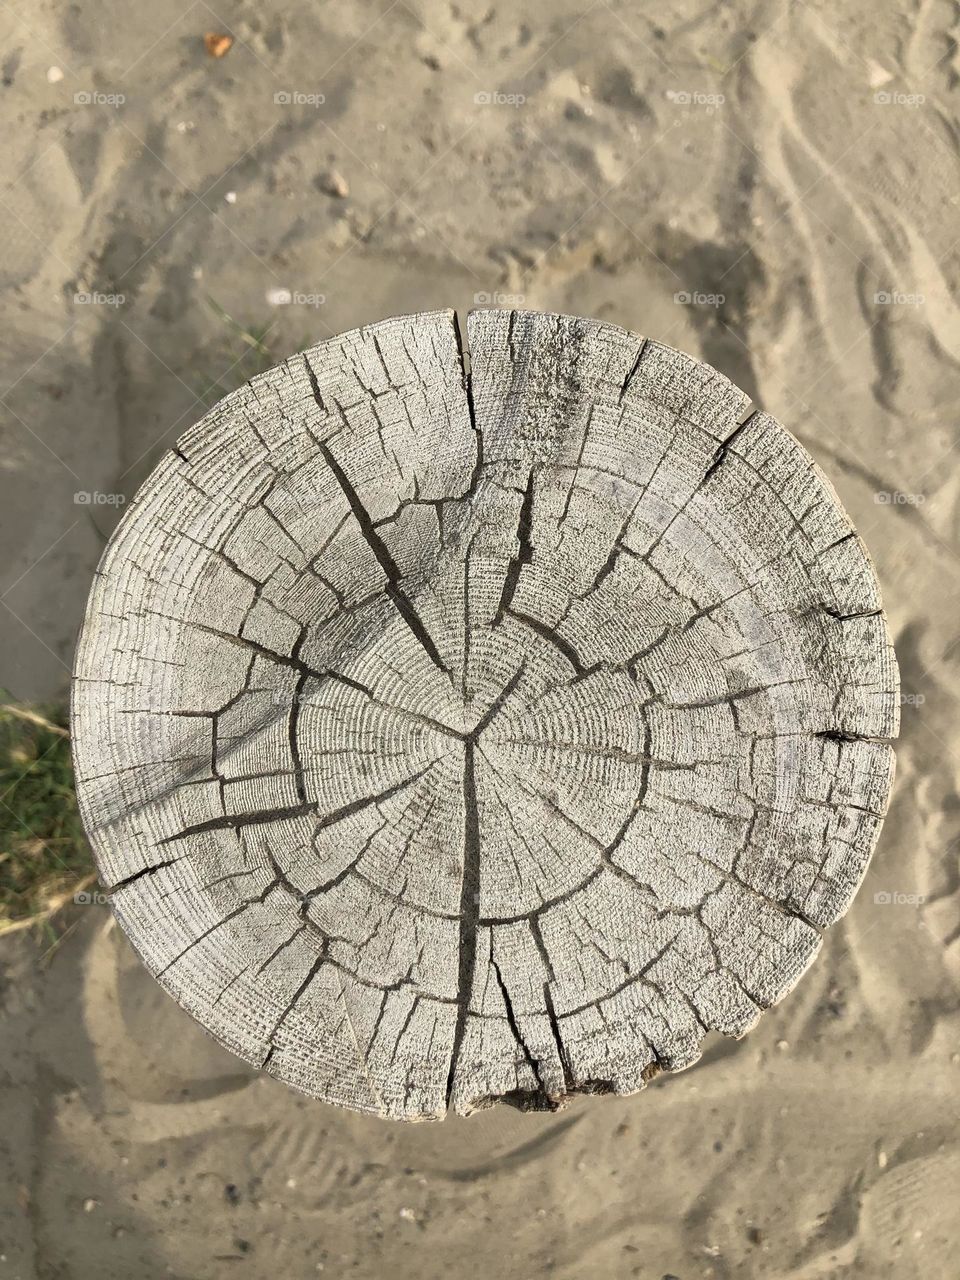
(444, 739)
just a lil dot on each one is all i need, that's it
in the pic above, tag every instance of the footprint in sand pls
(908, 1218)
(905, 1228)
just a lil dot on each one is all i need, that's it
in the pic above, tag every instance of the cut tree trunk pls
(453, 729)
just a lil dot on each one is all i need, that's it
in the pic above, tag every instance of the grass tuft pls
(44, 855)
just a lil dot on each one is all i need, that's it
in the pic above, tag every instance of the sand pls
(799, 162)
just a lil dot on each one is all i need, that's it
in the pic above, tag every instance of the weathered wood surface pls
(450, 738)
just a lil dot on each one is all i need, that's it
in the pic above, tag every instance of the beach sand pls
(774, 188)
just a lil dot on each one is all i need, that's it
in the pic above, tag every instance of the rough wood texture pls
(444, 739)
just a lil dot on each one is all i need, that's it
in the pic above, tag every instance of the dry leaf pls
(216, 43)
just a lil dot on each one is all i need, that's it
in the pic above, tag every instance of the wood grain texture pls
(448, 737)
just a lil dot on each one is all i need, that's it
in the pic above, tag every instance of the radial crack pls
(259, 817)
(569, 1080)
(631, 372)
(469, 908)
(514, 1025)
(314, 384)
(497, 705)
(386, 562)
(524, 555)
(724, 447)
(291, 1005)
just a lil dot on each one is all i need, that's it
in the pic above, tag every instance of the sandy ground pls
(791, 170)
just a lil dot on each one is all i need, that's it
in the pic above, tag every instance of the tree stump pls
(452, 729)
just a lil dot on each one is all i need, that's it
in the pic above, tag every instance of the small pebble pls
(408, 1214)
(882, 1159)
(231, 197)
(54, 75)
(335, 184)
(90, 1204)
